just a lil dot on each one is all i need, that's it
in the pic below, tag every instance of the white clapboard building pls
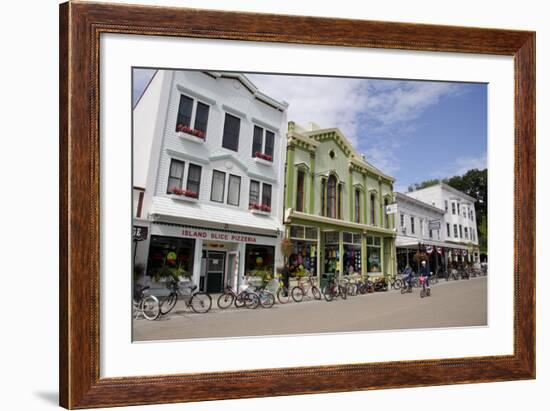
(459, 227)
(208, 177)
(419, 229)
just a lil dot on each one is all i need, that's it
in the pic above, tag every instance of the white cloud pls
(461, 165)
(375, 115)
(464, 164)
(391, 104)
(329, 102)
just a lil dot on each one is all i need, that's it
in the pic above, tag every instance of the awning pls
(211, 216)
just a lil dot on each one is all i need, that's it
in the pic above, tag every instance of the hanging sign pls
(139, 233)
(429, 250)
(391, 208)
(439, 250)
(464, 253)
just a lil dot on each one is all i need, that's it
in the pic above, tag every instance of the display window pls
(352, 253)
(260, 261)
(374, 253)
(305, 247)
(170, 257)
(332, 252)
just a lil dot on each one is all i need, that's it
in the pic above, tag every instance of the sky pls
(411, 130)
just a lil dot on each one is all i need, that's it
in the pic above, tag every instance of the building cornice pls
(341, 223)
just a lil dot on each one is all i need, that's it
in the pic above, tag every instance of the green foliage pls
(424, 184)
(286, 247)
(168, 271)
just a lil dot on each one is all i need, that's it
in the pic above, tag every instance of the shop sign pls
(391, 208)
(139, 233)
(218, 236)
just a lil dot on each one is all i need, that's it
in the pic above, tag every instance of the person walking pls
(425, 272)
(408, 276)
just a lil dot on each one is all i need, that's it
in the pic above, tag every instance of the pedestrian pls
(408, 276)
(285, 277)
(425, 272)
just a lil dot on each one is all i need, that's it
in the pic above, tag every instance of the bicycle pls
(230, 297)
(200, 302)
(305, 285)
(148, 306)
(333, 289)
(263, 297)
(396, 283)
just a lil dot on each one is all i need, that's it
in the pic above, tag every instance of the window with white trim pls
(263, 143)
(192, 116)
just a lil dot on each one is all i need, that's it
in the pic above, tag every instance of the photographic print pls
(270, 204)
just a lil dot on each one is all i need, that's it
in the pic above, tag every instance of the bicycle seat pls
(194, 288)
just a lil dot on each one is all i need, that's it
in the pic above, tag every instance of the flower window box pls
(259, 208)
(262, 158)
(191, 134)
(185, 195)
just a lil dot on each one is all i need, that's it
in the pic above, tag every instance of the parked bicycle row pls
(256, 294)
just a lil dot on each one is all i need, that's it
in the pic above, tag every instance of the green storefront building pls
(335, 214)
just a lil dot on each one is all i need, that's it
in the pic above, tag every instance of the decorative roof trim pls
(194, 94)
(185, 156)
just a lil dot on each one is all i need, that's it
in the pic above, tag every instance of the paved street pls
(453, 303)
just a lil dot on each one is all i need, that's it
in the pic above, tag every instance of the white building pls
(208, 177)
(419, 229)
(459, 230)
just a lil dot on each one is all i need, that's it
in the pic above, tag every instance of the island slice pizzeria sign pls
(218, 236)
(207, 234)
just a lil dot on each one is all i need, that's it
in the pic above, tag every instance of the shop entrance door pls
(215, 264)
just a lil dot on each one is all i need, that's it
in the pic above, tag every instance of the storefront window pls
(260, 261)
(332, 253)
(352, 253)
(374, 254)
(304, 252)
(170, 256)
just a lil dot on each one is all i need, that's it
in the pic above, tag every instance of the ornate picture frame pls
(81, 25)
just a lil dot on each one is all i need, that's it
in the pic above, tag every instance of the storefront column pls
(382, 257)
(197, 261)
(289, 177)
(321, 255)
(241, 248)
(364, 254)
(340, 266)
(311, 208)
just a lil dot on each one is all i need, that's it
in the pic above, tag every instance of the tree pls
(424, 184)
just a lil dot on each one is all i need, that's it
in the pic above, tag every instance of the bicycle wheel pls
(240, 300)
(342, 292)
(297, 294)
(201, 303)
(251, 300)
(225, 300)
(398, 284)
(283, 296)
(327, 293)
(168, 303)
(316, 293)
(267, 299)
(150, 307)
